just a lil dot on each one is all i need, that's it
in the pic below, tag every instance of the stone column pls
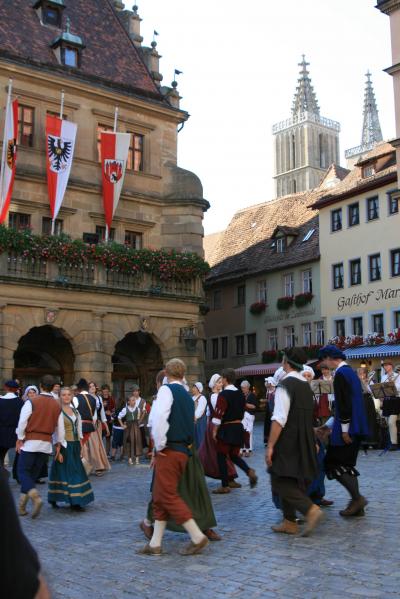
(6, 345)
(90, 360)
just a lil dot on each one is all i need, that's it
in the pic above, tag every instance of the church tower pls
(371, 129)
(306, 144)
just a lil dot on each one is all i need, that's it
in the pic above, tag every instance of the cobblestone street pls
(93, 555)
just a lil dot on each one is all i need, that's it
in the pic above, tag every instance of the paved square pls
(93, 555)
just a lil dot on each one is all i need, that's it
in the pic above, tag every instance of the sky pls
(240, 69)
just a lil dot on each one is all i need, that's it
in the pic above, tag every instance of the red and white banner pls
(9, 157)
(60, 144)
(114, 155)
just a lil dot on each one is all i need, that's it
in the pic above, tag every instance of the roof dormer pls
(68, 47)
(50, 12)
(283, 237)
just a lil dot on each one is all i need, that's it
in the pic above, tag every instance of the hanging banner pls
(114, 156)
(60, 144)
(9, 156)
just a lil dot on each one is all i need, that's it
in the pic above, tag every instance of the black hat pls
(331, 351)
(82, 384)
(11, 384)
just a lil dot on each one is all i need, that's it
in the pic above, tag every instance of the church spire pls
(371, 131)
(305, 99)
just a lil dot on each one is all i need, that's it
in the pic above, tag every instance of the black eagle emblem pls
(59, 152)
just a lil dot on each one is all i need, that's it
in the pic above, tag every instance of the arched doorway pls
(44, 350)
(137, 359)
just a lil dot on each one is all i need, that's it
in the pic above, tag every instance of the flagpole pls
(4, 148)
(62, 104)
(106, 235)
(116, 119)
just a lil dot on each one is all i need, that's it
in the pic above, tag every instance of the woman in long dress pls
(200, 415)
(93, 450)
(68, 482)
(208, 450)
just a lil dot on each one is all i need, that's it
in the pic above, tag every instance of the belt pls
(233, 422)
(88, 421)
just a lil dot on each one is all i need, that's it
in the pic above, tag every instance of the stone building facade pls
(89, 321)
(306, 144)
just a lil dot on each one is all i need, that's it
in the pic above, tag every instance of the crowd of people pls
(314, 429)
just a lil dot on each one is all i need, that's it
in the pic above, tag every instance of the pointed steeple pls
(371, 131)
(305, 99)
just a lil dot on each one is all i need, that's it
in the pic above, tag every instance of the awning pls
(257, 369)
(372, 351)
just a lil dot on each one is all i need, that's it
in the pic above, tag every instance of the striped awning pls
(372, 351)
(257, 369)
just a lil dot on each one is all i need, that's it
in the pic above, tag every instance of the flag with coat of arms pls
(60, 144)
(114, 156)
(9, 155)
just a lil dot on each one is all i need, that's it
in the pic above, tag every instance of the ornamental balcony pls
(304, 117)
(95, 277)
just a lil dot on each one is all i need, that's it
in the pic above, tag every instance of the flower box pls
(302, 299)
(269, 356)
(258, 307)
(284, 303)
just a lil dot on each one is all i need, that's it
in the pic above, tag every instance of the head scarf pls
(31, 387)
(213, 380)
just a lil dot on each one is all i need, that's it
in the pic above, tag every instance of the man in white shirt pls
(291, 451)
(391, 405)
(40, 418)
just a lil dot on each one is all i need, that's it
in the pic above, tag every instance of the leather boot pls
(23, 500)
(232, 484)
(287, 527)
(313, 518)
(253, 478)
(37, 502)
(355, 506)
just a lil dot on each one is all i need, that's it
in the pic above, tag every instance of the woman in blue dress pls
(68, 482)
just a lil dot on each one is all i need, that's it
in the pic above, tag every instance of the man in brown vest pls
(40, 418)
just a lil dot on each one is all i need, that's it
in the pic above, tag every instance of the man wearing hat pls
(349, 426)
(10, 408)
(291, 454)
(391, 405)
(86, 406)
(40, 419)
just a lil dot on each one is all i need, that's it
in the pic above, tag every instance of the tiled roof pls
(210, 244)
(109, 57)
(384, 157)
(245, 246)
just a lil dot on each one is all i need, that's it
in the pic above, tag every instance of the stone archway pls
(137, 359)
(44, 350)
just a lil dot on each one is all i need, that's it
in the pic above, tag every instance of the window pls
(354, 214)
(19, 221)
(395, 263)
(46, 226)
(375, 267)
(51, 16)
(101, 232)
(252, 343)
(262, 291)
(340, 328)
(357, 326)
(355, 272)
(396, 318)
(336, 219)
(133, 239)
(288, 285)
(306, 333)
(241, 295)
(214, 349)
(25, 125)
(372, 208)
(135, 155)
(280, 245)
(319, 333)
(101, 128)
(337, 272)
(368, 171)
(224, 347)
(322, 151)
(272, 335)
(308, 235)
(239, 345)
(377, 324)
(70, 56)
(294, 186)
(217, 300)
(289, 336)
(306, 276)
(393, 199)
